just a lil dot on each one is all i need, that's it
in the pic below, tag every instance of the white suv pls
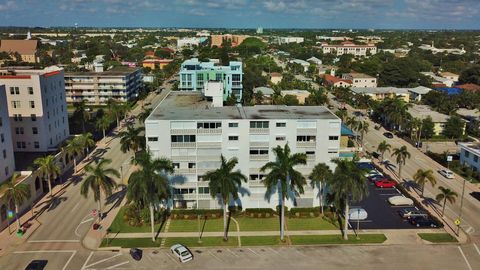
(447, 173)
(182, 253)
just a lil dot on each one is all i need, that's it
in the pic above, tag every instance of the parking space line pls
(74, 252)
(173, 259)
(88, 259)
(236, 255)
(253, 252)
(300, 253)
(476, 248)
(465, 258)
(103, 260)
(118, 264)
(274, 251)
(215, 256)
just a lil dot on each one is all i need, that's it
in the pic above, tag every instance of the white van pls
(446, 173)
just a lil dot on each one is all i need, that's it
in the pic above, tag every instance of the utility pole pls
(461, 207)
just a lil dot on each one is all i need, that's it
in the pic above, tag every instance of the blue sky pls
(438, 14)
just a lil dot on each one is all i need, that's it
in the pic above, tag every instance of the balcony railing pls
(258, 157)
(259, 130)
(259, 144)
(209, 131)
(183, 131)
(306, 144)
(306, 131)
(209, 144)
(186, 170)
(183, 144)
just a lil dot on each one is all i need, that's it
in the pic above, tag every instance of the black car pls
(136, 253)
(422, 222)
(37, 265)
(476, 195)
(388, 135)
(357, 113)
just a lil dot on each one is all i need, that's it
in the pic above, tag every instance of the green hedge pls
(301, 212)
(259, 212)
(193, 213)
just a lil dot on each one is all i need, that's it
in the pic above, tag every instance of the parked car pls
(373, 173)
(476, 195)
(385, 183)
(136, 254)
(357, 113)
(365, 166)
(183, 254)
(423, 222)
(377, 177)
(400, 200)
(388, 135)
(446, 173)
(37, 265)
(411, 213)
(357, 214)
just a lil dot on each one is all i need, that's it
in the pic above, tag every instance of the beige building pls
(301, 95)
(449, 75)
(7, 160)
(276, 78)
(26, 48)
(96, 88)
(360, 79)
(439, 119)
(348, 47)
(236, 40)
(36, 107)
(381, 93)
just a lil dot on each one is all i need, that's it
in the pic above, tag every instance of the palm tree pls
(383, 147)
(342, 114)
(320, 175)
(144, 114)
(87, 141)
(103, 123)
(149, 186)
(74, 147)
(445, 195)
(82, 113)
(283, 176)
(99, 180)
(131, 139)
(351, 122)
(421, 177)
(396, 110)
(362, 127)
(415, 126)
(347, 184)
(115, 110)
(401, 155)
(225, 183)
(49, 168)
(16, 193)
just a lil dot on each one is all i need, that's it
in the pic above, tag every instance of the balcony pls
(259, 144)
(306, 144)
(183, 131)
(183, 158)
(307, 131)
(209, 144)
(190, 196)
(255, 183)
(259, 157)
(209, 131)
(183, 145)
(259, 130)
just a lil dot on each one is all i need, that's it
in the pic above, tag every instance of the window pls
(192, 165)
(176, 165)
(4, 153)
(258, 124)
(15, 104)
(37, 183)
(280, 138)
(14, 91)
(1, 122)
(7, 171)
(306, 138)
(17, 117)
(32, 104)
(467, 154)
(19, 130)
(258, 151)
(310, 153)
(281, 124)
(30, 90)
(233, 138)
(33, 117)
(21, 145)
(233, 125)
(256, 177)
(183, 138)
(34, 130)
(203, 190)
(333, 138)
(153, 139)
(210, 125)
(2, 138)
(36, 145)
(475, 158)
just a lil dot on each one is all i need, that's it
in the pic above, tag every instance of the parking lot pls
(381, 215)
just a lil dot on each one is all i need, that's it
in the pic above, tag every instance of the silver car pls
(357, 214)
(182, 253)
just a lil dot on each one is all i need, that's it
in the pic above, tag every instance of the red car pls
(385, 183)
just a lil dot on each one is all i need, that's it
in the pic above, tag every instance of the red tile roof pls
(469, 87)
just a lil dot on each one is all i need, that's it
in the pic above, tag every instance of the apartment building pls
(348, 47)
(189, 42)
(195, 136)
(217, 40)
(287, 40)
(381, 93)
(7, 160)
(36, 107)
(469, 155)
(194, 74)
(360, 79)
(96, 88)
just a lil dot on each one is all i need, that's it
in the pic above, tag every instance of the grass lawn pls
(261, 240)
(299, 224)
(258, 224)
(120, 226)
(191, 225)
(336, 239)
(130, 242)
(206, 241)
(438, 237)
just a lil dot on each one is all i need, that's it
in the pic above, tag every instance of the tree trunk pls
(225, 236)
(345, 226)
(423, 188)
(118, 122)
(282, 219)
(74, 164)
(152, 222)
(321, 198)
(444, 204)
(103, 133)
(50, 186)
(400, 171)
(100, 216)
(18, 219)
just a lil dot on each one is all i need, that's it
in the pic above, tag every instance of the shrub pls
(259, 212)
(132, 215)
(305, 212)
(193, 213)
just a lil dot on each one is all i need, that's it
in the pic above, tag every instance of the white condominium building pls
(348, 47)
(287, 40)
(360, 79)
(96, 88)
(194, 138)
(7, 160)
(36, 107)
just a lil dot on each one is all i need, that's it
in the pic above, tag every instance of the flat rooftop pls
(423, 111)
(191, 106)
(379, 90)
(117, 71)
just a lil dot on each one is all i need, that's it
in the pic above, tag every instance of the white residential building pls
(36, 107)
(417, 93)
(287, 40)
(195, 136)
(96, 88)
(7, 160)
(360, 79)
(189, 41)
(470, 155)
(439, 79)
(348, 47)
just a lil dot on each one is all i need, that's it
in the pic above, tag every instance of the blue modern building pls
(194, 74)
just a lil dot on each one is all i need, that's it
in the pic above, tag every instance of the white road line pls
(88, 259)
(54, 241)
(104, 260)
(215, 256)
(300, 253)
(274, 251)
(465, 258)
(80, 224)
(253, 251)
(75, 207)
(173, 259)
(229, 250)
(118, 264)
(50, 251)
(476, 248)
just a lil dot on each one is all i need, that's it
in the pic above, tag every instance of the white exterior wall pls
(50, 110)
(7, 160)
(361, 82)
(355, 50)
(206, 155)
(470, 156)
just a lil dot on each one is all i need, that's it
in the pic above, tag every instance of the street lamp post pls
(461, 206)
(358, 223)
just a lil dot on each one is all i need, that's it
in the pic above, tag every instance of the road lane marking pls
(80, 224)
(465, 258)
(232, 253)
(88, 259)
(476, 248)
(104, 260)
(74, 252)
(215, 256)
(118, 264)
(274, 251)
(253, 251)
(75, 207)
(54, 241)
